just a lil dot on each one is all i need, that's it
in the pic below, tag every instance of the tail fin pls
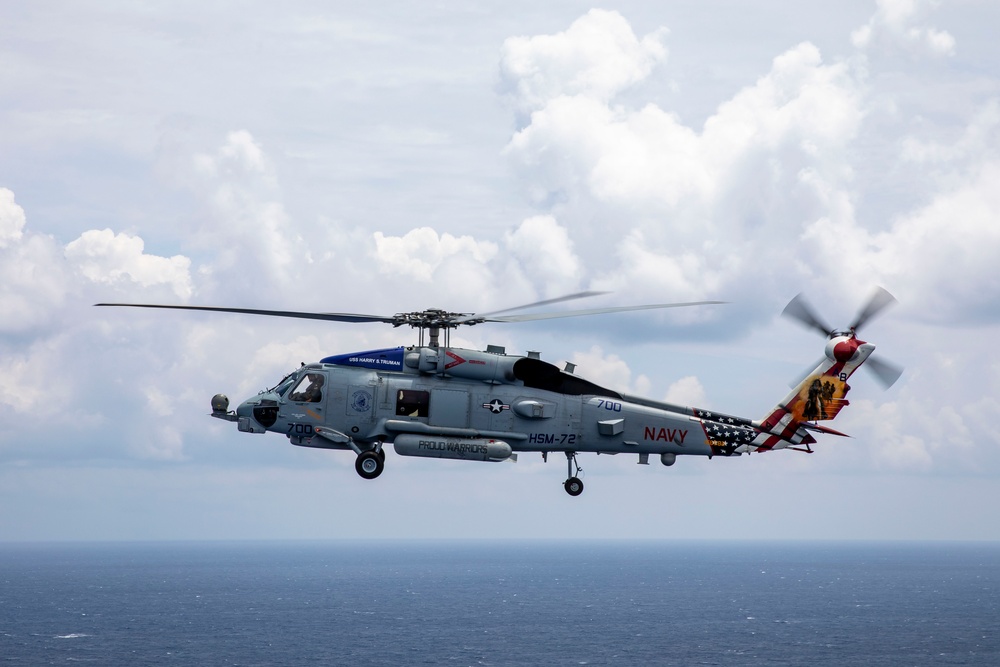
(820, 396)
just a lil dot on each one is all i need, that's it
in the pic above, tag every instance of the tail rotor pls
(801, 311)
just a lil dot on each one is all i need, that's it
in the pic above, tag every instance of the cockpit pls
(304, 385)
(309, 389)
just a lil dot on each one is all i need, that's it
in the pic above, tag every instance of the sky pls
(379, 159)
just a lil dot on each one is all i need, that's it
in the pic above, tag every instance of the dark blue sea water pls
(453, 603)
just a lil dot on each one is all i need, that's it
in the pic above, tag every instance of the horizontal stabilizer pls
(822, 429)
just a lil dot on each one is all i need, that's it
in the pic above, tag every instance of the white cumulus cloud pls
(253, 242)
(941, 257)
(597, 56)
(545, 252)
(105, 257)
(897, 22)
(611, 371)
(421, 253)
(11, 218)
(678, 201)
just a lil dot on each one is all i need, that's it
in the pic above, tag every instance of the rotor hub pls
(425, 319)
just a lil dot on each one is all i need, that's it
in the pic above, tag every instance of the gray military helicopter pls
(433, 400)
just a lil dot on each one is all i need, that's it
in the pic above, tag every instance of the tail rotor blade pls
(885, 372)
(799, 309)
(801, 377)
(879, 301)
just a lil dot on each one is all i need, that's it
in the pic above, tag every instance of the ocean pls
(500, 603)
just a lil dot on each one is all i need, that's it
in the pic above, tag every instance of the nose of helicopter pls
(257, 414)
(245, 409)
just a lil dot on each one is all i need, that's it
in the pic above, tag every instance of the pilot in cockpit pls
(313, 393)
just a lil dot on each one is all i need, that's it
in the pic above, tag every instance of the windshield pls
(284, 384)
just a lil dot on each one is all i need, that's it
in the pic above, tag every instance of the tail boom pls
(821, 396)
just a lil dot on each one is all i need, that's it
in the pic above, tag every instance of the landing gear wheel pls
(369, 465)
(573, 486)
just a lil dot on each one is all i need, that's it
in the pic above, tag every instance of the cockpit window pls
(309, 389)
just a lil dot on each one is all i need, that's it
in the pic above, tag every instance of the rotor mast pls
(430, 324)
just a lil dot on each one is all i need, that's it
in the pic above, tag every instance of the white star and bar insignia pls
(496, 406)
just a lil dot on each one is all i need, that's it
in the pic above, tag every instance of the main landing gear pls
(371, 463)
(573, 485)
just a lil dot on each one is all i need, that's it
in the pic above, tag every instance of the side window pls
(412, 403)
(309, 389)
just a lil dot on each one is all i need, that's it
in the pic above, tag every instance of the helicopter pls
(433, 400)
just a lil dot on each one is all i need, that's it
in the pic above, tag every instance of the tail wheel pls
(573, 486)
(369, 465)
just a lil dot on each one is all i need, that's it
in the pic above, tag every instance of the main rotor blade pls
(879, 301)
(885, 372)
(530, 317)
(799, 309)
(546, 302)
(424, 318)
(333, 317)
